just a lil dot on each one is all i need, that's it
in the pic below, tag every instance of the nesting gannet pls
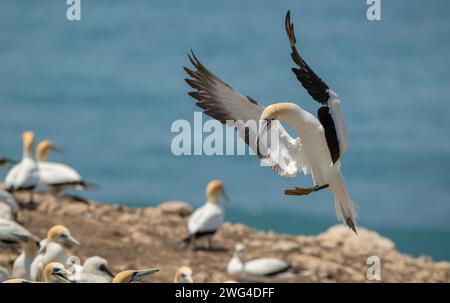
(239, 267)
(9, 207)
(22, 265)
(24, 175)
(57, 176)
(53, 250)
(183, 275)
(133, 276)
(94, 270)
(206, 220)
(12, 234)
(4, 274)
(55, 272)
(322, 140)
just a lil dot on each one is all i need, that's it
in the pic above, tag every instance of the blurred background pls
(107, 89)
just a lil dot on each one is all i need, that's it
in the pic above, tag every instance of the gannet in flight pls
(322, 140)
(207, 219)
(12, 234)
(57, 176)
(133, 276)
(53, 250)
(9, 208)
(94, 270)
(22, 264)
(55, 272)
(239, 267)
(24, 175)
(183, 275)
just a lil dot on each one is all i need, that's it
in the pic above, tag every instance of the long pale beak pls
(57, 149)
(72, 241)
(139, 274)
(63, 275)
(106, 270)
(189, 279)
(225, 196)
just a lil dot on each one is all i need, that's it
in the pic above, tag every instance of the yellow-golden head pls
(28, 141)
(44, 147)
(133, 276)
(55, 272)
(183, 275)
(214, 190)
(61, 234)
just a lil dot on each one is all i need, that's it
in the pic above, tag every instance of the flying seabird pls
(57, 176)
(9, 207)
(321, 140)
(207, 219)
(183, 275)
(240, 267)
(133, 276)
(24, 176)
(53, 250)
(94, 270)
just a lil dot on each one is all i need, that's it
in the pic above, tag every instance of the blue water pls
(107, 89)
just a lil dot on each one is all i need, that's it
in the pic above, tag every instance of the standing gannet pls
(4, 274)
(55, 272)
(9, 207)
(239, 267)
(12, 234)
(133, 276)
(57, 176)
(207, 219)
(53, 250)
(322, 140)
(183, 275)
(24, 175)
(22, 265)
(94, 270)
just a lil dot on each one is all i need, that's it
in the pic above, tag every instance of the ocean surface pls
(107, 89)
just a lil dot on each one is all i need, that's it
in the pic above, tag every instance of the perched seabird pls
(207, 219)
(12, 234)
(4, 274)
(273, 268)
(94, 270)
(133, 276)
(57, 176)
(24, 176)
(53, 250)
(22, 265)
(55, 272)
(183, 275)
(322, 140)
(9, 208)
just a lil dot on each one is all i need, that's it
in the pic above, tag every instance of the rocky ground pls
(150, 237)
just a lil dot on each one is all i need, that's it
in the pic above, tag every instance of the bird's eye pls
(63, 236)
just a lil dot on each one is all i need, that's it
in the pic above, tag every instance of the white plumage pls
(13, 234)
(321, 140)
(22, 264)
(93, 270)
(8, 206)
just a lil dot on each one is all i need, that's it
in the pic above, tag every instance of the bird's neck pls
(27, 151)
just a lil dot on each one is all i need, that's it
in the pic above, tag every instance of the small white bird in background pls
(322, 140)
(133, 276)
(53, 250)
(55, 272)
(57, 176)
(9, 208)
(24, 176)
(22, 264)
(94, 270)
(183, 275)
(207, 219)
(4, 275)
(257, 269)
(12, 234)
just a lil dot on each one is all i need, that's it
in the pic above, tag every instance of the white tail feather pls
(345, 208)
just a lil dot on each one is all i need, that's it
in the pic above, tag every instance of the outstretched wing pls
(223, 103)
(330, 114)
